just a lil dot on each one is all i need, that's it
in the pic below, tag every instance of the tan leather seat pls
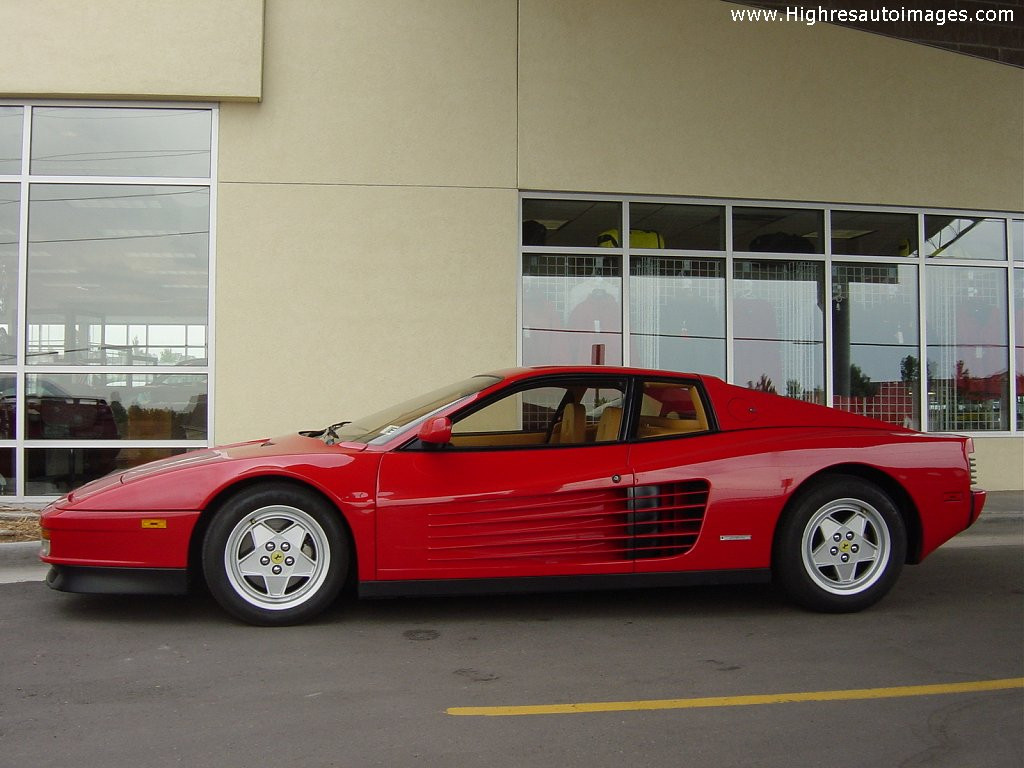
(573, 429)
(608, 425)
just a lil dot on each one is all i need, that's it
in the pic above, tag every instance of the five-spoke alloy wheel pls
(275, 554)
(840, 545)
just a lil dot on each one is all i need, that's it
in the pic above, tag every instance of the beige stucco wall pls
(374, 92)
(1000, 462)
(339, 298)
(674, 97)
(149, 49)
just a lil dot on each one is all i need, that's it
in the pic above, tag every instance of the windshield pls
(378, 427)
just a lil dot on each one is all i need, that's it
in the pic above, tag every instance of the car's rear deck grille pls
(588, 526)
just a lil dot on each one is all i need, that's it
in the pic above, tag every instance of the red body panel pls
(543, 510)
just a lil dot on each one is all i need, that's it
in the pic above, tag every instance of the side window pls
(566, 413)
(670, 408)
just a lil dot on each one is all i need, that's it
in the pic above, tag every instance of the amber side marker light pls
(153, 522)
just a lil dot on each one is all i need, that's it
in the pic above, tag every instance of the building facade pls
(220, 221)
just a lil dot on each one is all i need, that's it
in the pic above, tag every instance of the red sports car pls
(529, 479)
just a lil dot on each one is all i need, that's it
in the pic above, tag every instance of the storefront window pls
(10, 205)
(779, 327)
(572, 309)
(84, 141)
(1017, 233)
(573, 223)
(868, 233)
(678, 227)
(875, 355)
(11, 121)
(778, 230)
(1018, 332)
(104, 333)
(965, 237)
(677, 313)
(967, 332)
(112, 255)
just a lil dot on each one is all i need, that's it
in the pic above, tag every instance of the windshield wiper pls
(331, 436)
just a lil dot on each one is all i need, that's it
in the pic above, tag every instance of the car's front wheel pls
(275, 554)
(840, 546)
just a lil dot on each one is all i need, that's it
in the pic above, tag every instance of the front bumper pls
(118, 581)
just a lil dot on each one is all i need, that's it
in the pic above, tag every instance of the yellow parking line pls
(744, 701)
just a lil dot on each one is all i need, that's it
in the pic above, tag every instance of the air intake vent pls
(974, 470)
(666, 519)
(574, 527)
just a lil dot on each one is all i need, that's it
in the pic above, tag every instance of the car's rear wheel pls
(840, 546)
(275, 555)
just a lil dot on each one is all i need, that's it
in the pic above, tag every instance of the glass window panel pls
(8, 484)
(11, 122)
(1017, 232)
(84, 141)
(572, 309)
(867, 233)
(778, 230)
(677, 314)
(966, 333)
(875, 355)
(964, 237)
(8, 406)
(779, 327)
(536, 417)
(53, 471)
(580, 223)
(683, 227)
(1018, 331)
(101, 406)
(10, 198)
(114, 256)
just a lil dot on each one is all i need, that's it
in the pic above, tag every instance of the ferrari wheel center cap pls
(277, 558)
(845, 546)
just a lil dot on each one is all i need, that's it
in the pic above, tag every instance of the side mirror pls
(436, 431)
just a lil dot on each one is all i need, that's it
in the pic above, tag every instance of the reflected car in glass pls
(530, 479)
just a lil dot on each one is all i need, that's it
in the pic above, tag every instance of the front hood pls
(272, 451)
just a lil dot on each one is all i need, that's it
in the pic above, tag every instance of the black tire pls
(839, 546)
(276, 554)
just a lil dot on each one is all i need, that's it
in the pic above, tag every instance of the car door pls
(534, 482)
(698, 492)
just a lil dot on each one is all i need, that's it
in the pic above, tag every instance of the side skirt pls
(537, 584)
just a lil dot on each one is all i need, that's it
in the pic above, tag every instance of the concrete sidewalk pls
(1001, 523)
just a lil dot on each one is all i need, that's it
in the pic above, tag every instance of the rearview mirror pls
(436, 431)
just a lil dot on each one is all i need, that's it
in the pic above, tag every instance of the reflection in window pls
(867, 233)
(875, 355)
(52, 471)
(778, 230)
(100, 406)
(779, 327)
(677, 313)
(572, 309)
(580, 223)
(102, 256)
(11, 121)
(967, 348)
(964, 237)
(83, 141)
(9, 228)
(683, 227)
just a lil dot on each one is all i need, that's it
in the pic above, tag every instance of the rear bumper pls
(977, 504)
(118, 581)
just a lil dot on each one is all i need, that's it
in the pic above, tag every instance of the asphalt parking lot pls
(932, 676)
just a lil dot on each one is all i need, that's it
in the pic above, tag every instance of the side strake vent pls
(574, 527)
(665, 520)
